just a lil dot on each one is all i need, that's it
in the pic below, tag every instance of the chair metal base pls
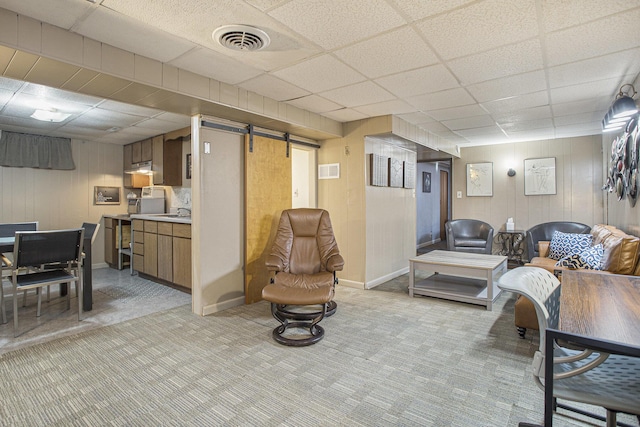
(301, 321)
(292, 314)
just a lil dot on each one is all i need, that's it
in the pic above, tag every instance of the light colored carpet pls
(386, 360)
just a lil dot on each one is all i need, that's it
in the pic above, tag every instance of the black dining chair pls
(8, 229)
(34, 249)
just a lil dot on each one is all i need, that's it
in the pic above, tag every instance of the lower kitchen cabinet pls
(163, 250)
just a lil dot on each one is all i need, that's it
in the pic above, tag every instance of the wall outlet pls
(459, 195)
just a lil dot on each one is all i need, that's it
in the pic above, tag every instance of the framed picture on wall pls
(479, 179)
(106, 195)
(188, 166)
(426, 182)
(540, 176)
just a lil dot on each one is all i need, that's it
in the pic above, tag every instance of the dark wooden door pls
(444, 202)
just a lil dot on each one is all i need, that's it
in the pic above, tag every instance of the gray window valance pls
(23, 150)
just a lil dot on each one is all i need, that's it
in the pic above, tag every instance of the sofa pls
(620, 256)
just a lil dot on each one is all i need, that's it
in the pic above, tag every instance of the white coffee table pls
(458, 276)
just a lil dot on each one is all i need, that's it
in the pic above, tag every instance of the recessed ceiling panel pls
(319, 74)
(416, 82)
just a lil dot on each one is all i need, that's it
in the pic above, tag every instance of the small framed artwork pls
(187, 167)
(409, 175)
(540, 176)
(106, 195)
(395, 172)
(426, 182)
(479, 179)
(379, 170)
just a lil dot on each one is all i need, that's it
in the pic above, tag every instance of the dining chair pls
(586, 375)
(8, 229)
(34, 249)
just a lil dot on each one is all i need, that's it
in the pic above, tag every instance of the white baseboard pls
(351, 284)
(214, 308)
(432, 242)
(386, 278)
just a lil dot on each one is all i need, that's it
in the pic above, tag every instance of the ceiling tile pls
(601, 88)
(568, 13)
(179, 119)
(125, 33)
(319, 74)
(345, 115)
(603, 67)
(482, 131)
(416, 117)
(514, 116)
(402, 50)
(578, 130)
(469, 122)
(503, 61)
(62, 13)
(216, 66)
(395, 106)
(523, 125)
(44, 92)
(416, 82)
(332, 26)
(315, 103)
(358, 94)
(99, 118)
(481, 26)
(582, 118)
(520, 102)
(457, 112)
(443, 99)
(509, 86)
(608, 35)
(128, 108)
(532, 135)
(274, 88)
(418, 9)
(158, 126)
(582, 106)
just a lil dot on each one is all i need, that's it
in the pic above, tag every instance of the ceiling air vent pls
(241, 37)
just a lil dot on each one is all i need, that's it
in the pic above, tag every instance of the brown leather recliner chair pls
(304, 258)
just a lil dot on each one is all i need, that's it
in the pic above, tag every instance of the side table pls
(511, 244)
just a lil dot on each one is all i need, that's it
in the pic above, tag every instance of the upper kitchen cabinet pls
(142, 151)
(167, 161)
(133, 180)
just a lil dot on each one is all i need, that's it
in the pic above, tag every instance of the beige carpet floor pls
(386, 360)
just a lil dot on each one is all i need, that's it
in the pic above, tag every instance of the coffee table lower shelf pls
(455, 288)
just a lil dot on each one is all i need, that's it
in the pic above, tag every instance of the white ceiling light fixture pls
(52, 115)
(241, 37)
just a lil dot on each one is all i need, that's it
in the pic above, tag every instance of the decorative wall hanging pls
(479, 179)
(540, 176)
(426, 182)
(395, 172)
(623, 175)
(409, 175)
(379, 170)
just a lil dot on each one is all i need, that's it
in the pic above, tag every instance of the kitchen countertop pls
(163, 217)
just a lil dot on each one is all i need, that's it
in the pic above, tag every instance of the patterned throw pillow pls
(591, 259)
(565, 244)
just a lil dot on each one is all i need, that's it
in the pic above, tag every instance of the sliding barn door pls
(267, 194)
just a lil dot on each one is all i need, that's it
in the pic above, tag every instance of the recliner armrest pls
(335, 263)
(274, 263)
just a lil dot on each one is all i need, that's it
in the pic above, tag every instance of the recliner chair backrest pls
(304, 240)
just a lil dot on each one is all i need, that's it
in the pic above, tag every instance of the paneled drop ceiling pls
(471, 71)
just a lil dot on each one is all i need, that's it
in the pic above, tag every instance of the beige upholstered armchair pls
(304, 258)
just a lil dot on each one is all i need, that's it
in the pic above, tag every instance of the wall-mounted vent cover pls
(329, 171)
(241, 37)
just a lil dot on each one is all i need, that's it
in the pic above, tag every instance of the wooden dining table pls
(6, 247)
(598, 311)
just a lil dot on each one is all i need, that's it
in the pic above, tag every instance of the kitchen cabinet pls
(138, 245)
(165, 156)
(127, 152)
(142, 151)
(167, 161)
(151, 248)
(182, 255)
(162, 250)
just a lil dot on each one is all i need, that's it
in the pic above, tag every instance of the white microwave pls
(146, 206)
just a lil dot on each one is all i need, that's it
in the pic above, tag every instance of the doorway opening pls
(433, 204)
